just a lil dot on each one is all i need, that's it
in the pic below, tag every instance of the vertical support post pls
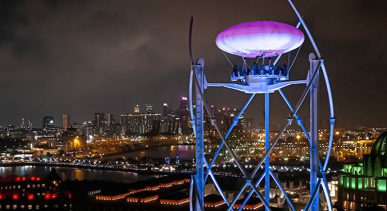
(199, 126)
(314, 156)
(267, 146)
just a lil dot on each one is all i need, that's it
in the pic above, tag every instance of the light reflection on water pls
(76, 174)
(186, 152)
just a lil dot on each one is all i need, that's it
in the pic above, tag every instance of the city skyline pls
(109, 56)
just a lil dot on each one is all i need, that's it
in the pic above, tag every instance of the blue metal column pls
(199, 126)
(267, 146)
(314, 156)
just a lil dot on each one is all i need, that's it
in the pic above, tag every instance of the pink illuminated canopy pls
(260, 38)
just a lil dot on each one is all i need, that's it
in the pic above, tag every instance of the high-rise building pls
(165, 110)
(183, 103)
(48, 122)
(23, 124)
(66, 121)
(184, 116)
(103, 123)
(165, 121)
(141, 123)
(136, 109)
(149, 108)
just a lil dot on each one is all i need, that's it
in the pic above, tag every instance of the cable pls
(229, 61)
(295, 57)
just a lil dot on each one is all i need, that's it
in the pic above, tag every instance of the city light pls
(116, 105)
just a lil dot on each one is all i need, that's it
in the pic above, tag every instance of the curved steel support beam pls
(327, 83)
(250, 193)
(215, 125)
(217, 185)
(237, 197)
(313, 196)
(306, 29)
(233, 124)
(282, 190)
(267, 206)
(321, 181)
(191, 101)
(326, 192)
(191, 189)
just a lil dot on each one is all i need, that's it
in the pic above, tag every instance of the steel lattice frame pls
(318, 169)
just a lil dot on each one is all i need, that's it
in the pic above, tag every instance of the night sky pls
(81, 57)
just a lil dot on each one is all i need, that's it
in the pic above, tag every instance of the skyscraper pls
(66, 121)
(165, 110)
(103, 122)
(141, 123)
(183, 103)
(183, 112)
(48, 121)
(136, 109)
(149, 108)
(166, 121)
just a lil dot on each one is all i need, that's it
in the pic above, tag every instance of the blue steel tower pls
(261, 41)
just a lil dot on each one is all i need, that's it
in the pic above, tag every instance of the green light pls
(353, 183)
(360, 183)
(382, 185)
(366, 183)
(341, 180)
(347, 168)
(357, 170)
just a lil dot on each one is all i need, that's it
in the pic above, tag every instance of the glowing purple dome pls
(259, 38)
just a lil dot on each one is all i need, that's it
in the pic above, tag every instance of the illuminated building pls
(25, 124)
(353, 149)
(66, 121)
(164, 124)
(136, 109)
(165, 110)
(103, 123)
(47, 122)
(141, 123)
(149, 108)
(184, 117)
(74, 143)
(364, 185)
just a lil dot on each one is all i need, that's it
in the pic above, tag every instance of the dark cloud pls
(80, 57)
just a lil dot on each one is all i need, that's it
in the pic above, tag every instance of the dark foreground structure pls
(165, 193)
(34, 193)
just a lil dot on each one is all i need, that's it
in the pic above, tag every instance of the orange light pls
(15, 196)
(30, 196)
